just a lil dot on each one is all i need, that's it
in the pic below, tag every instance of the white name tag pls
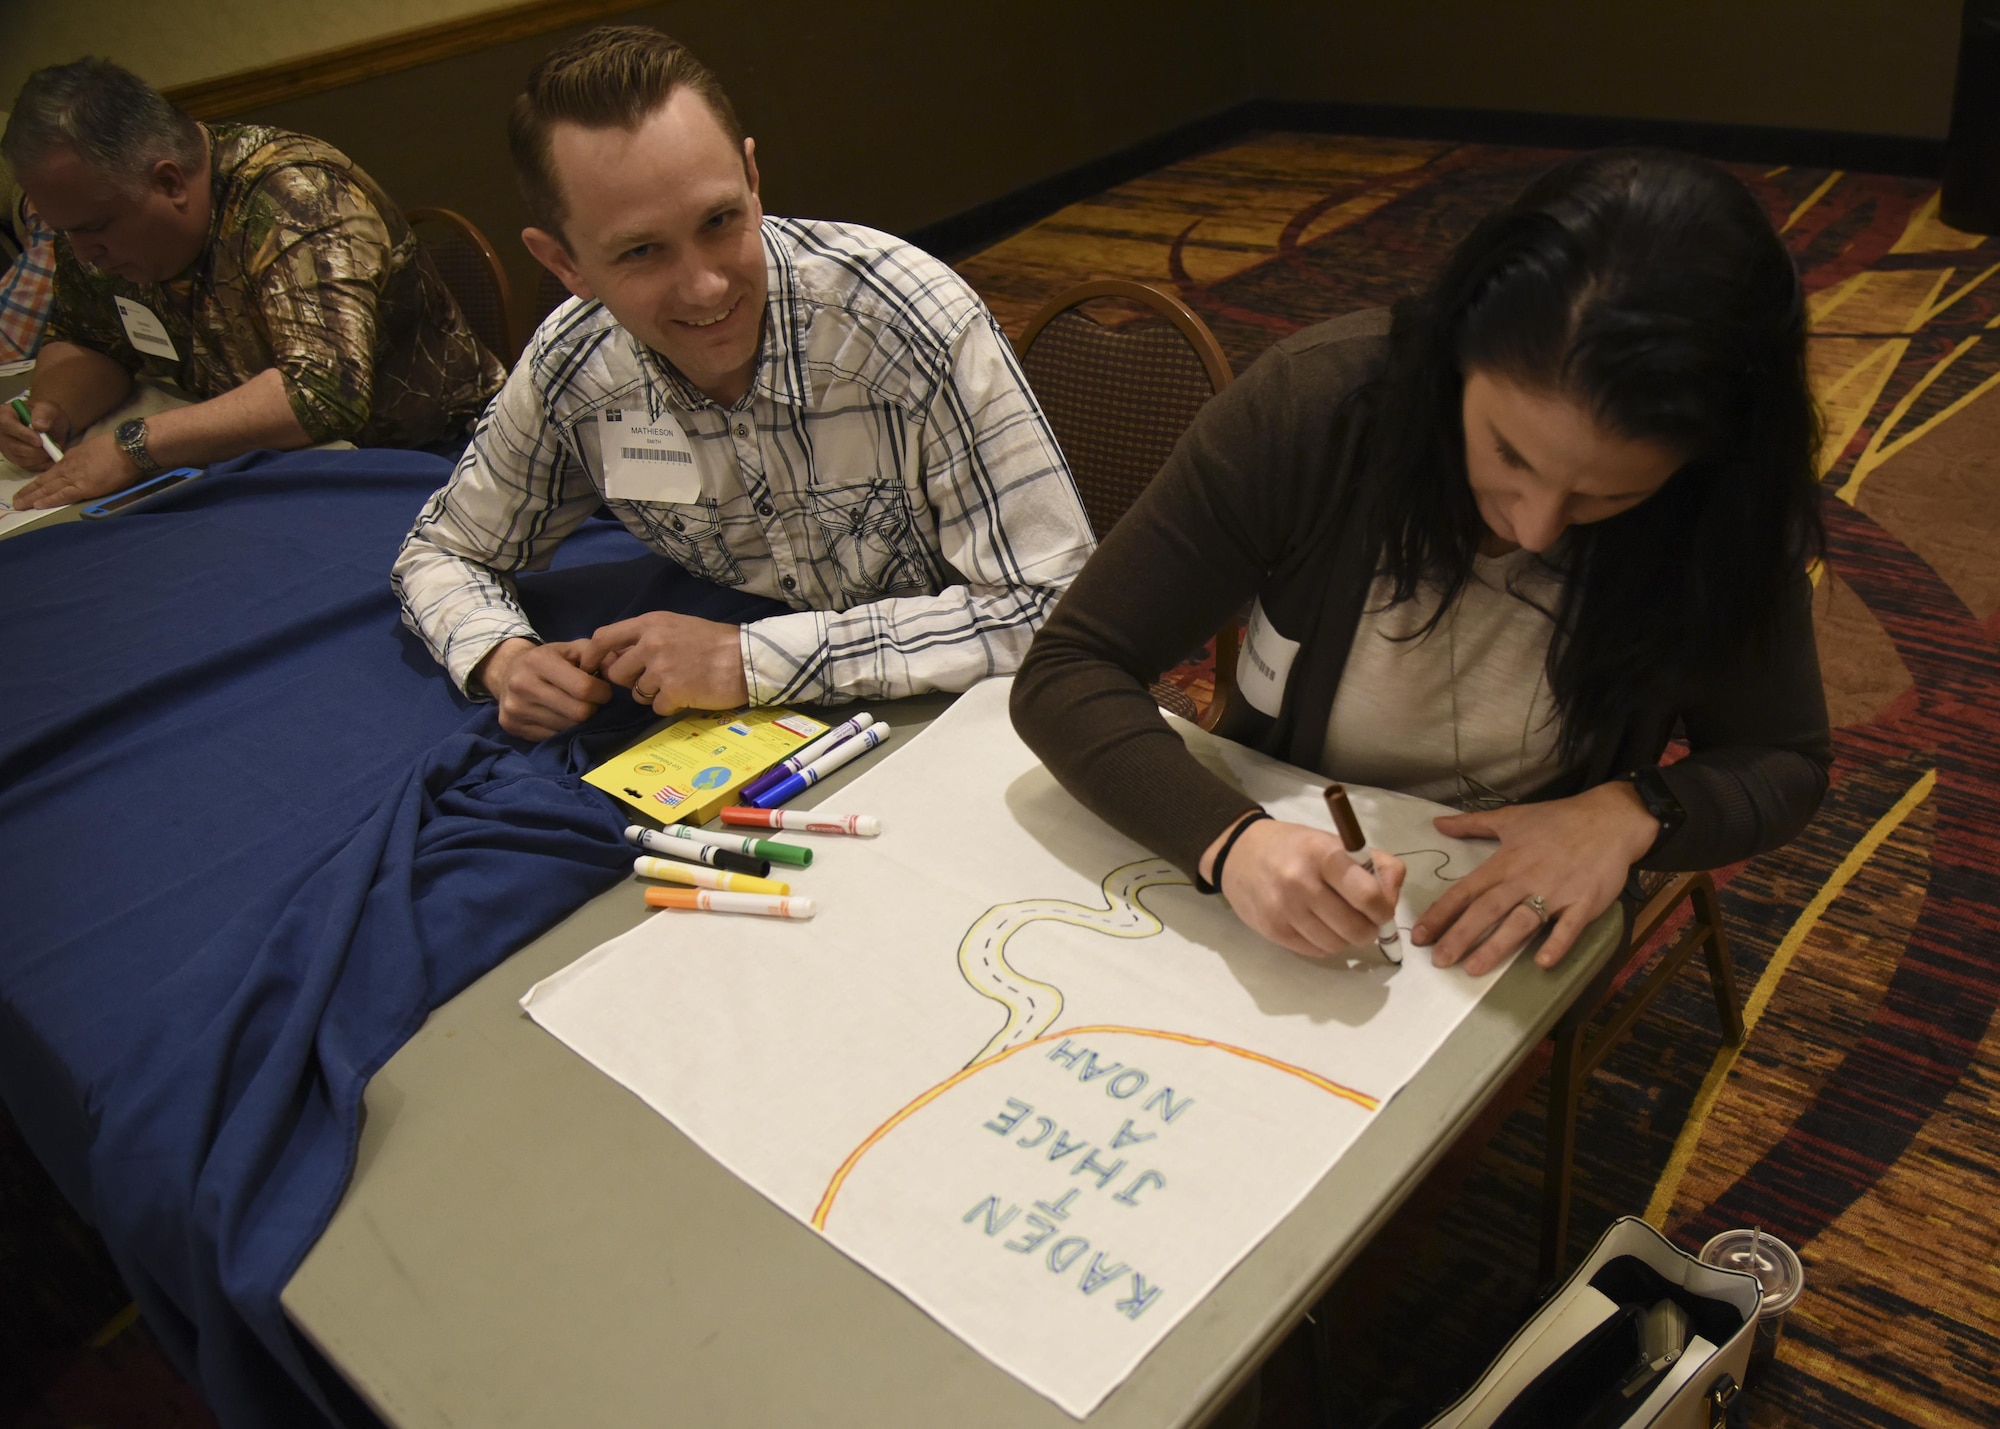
(145, 330)
(1264, 663)
(646, 460)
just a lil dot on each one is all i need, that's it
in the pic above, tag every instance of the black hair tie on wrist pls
(1222, 854)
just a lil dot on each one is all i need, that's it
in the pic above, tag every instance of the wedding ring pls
(644, 696)
(1537, 905)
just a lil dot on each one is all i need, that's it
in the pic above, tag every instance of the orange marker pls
(762, 904)
(863, 826)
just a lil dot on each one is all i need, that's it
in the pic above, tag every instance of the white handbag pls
(1642, 1336)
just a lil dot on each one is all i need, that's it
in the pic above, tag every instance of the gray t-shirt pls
(1463, 715)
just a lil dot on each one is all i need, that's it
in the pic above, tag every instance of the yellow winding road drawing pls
(1032, 1006)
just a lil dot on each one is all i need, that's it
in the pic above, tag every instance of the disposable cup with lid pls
(1775, 1264)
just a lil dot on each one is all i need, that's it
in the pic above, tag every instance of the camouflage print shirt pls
(311, 269)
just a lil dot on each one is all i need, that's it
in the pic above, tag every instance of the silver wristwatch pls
(131, 439)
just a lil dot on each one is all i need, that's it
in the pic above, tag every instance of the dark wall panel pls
(893, 113)
(1854, 66)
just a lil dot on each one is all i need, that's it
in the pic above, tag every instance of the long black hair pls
(1649, 288)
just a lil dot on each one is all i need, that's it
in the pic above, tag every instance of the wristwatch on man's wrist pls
(1654, 792)
(131, 439)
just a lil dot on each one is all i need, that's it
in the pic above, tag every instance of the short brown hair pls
(610, 77)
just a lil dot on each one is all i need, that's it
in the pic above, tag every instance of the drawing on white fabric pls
(1018, 1066)
(1033, 1006)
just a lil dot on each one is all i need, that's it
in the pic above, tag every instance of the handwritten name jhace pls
(1094, 1164)
(1065, 1201)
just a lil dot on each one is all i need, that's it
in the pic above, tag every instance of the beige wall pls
(1859, 66)
(898, 113)
(173, 42)
(894, 113)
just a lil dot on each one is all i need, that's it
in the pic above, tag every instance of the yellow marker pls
(694, 875)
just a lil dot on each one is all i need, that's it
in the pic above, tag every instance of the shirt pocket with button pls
(862, 508)
(872, 540)
(689, 533)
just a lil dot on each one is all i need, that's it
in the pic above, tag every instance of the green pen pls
(28, 420)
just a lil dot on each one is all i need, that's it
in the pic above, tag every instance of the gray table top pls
(525, 1242)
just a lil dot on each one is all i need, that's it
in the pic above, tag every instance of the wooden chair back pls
(471, 270)
(1118, 395)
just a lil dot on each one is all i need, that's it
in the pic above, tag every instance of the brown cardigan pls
(1262, 498)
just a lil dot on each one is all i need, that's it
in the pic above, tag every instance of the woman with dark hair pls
(1500, 548)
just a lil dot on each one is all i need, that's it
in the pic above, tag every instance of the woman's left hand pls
(1574, 852)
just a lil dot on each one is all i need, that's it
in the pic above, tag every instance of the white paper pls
(11, 482)
(646, 459)
(146, 331)
(1017, 1066)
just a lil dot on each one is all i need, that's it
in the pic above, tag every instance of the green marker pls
(28, 420)
(771, 849)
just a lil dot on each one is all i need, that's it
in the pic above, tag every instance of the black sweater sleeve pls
(1760, 751)
(1248, 480)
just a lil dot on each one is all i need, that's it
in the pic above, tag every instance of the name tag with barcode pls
(145, 331)
(646, 459)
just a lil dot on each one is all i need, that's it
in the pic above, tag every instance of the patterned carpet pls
(1859, 1121)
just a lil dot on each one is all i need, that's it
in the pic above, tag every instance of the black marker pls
(690, 852)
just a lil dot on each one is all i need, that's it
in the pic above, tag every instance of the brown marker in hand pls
(1388, 937)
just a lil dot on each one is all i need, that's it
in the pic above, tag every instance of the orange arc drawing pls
(825, 1207)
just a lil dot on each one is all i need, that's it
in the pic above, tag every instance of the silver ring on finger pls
(1537, 905)
(646, 696)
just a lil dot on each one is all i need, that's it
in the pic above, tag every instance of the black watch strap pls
(1658, 797)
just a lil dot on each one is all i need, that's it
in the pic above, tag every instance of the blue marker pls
(794, 785)
(839, 734)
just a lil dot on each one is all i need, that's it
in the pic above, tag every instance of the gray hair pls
(115, 121)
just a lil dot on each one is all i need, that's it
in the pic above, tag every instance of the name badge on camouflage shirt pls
(145, 330)
(646, 460)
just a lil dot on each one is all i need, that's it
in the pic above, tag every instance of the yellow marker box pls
(684, 771)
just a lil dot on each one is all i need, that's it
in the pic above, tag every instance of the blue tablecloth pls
(252, 836)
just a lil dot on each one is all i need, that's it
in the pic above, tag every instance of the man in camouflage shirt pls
(259, 271)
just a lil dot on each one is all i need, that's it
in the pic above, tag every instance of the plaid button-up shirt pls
(888, 476)
(27, 285)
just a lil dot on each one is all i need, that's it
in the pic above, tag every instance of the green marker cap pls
(793, 854)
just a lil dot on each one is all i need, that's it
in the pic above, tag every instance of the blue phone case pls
(132, 495)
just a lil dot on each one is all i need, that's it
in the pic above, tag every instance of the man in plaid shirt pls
(814, 412)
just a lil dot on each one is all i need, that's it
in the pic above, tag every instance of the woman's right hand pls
(1298, 887)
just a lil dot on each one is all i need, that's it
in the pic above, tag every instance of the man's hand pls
(1298, 887)
(673, 662)
(541, 689)
(1574, 852)
(87, 471)
(19, 442)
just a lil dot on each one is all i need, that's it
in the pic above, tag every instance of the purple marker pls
(796, 784)
(793, 765)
